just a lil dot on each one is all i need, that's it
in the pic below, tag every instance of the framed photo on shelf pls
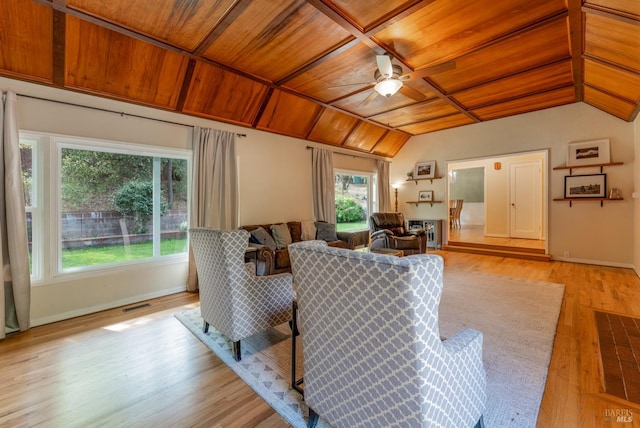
(588, 153)
(585, 186)
(425, 169)
(425, 195)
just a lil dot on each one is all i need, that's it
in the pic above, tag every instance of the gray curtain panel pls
(384, 195)
(16, 299)
(324, 201)
(214, 200)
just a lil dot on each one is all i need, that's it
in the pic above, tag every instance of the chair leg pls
(480, 423)
(205, 327)
(313, 418)
(237, 355)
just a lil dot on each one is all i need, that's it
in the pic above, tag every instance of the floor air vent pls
(133, 308)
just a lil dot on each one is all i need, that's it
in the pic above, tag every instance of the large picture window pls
(108, 203)
(355, 199)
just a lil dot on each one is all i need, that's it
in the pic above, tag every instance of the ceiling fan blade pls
(414, 94)
(434, 69)
(384, 65)
(351, 84)
(369, 98)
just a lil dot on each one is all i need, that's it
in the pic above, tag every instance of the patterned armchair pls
(388, 231)
(233, 299)
(373, 355)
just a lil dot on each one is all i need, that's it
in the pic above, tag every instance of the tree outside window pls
(353, 198)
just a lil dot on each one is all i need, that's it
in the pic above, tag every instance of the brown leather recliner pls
(388, 231)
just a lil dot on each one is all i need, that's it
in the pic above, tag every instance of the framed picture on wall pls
(588, 153)
(425, 195)
(425, 169)
(585, 186)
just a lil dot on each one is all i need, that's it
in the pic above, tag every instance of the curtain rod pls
(372, 157)
(122, 114)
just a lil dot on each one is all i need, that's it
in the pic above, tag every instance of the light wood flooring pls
(144, 369)
(475, 235)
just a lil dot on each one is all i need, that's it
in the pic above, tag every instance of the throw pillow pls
(281, 235)
(326, 231)
(308, 230)
(263, 237)
(295, 228)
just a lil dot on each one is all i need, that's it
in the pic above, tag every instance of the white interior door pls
(526, 200)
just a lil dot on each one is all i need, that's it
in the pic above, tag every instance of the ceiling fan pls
(389, 79)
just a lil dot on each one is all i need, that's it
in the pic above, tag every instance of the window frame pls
(35, 207)
(47, 236)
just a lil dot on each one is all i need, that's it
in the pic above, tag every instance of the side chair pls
(233, 299)
(371, 346)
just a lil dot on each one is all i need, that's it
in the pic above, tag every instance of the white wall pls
(590, 233)
(275, 186)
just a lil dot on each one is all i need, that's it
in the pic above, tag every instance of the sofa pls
(272, 241)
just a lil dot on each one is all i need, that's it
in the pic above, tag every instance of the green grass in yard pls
(352, 226)
(91, 256)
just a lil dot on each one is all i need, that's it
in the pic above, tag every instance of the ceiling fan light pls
(388, 87)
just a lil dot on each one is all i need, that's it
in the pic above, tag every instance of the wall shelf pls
(421, 179)
(600, 165)
(424, 202)
(601, 200)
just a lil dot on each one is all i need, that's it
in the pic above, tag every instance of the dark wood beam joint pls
(325, 56)
(59, 44)
(339, 19)
(575, 23)
(382, 137)
(263, 106)
(221, 26)
(186, 83)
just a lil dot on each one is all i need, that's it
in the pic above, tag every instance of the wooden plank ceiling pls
(305, 68)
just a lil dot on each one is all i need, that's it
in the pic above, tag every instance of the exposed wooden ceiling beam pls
(346, 24)
(221, 26)
(575, 22)
(59, 34)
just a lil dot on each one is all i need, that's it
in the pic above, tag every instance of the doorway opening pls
(504, 201)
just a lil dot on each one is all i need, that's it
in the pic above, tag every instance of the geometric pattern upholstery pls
(233, 299)
(372, 351)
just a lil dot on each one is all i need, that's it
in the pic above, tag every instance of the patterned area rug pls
(518, 319)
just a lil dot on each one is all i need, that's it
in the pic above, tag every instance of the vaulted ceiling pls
(305, 68)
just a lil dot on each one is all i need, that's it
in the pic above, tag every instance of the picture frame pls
(588, 153)
(585, 186)
(425, 195)
(425, 169)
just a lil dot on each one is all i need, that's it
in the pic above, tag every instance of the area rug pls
(518, 319)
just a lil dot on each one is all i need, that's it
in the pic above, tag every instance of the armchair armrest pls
(267, 256)
(381, 233)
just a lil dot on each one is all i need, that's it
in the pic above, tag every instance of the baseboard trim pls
(109, 305)
(595, 262)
